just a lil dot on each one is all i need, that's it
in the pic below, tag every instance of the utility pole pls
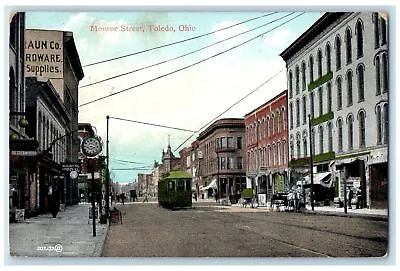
(107, 175)
(311, 164)
(92, 165)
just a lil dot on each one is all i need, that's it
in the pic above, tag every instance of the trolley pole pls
(311, 164)
(107, 176)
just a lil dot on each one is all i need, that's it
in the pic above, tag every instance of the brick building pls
(267, 148)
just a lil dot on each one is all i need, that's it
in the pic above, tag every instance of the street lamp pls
(311, 164)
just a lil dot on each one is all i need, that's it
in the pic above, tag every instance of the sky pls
(187, 99)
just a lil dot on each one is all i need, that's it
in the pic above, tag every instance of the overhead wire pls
(189, 53)
(191, 65)
(177, 42)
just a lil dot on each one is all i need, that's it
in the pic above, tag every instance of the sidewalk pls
(67, 235)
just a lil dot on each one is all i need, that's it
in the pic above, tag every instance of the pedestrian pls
(195, 196)
(359, 198)
(123, 198)
(350, 197)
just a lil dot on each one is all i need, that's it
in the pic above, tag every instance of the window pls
(312, 104)
(171, 186)
(329, 96)
(268, 127)
(39, 131)
(330, 137)
(385, 73)
(321, 139)
(386, 123)
(360, 75)
(383, 31)
(313, 141)
(274, 154)
(379, 125)
(284, 151)
(298, 148)
(350, 131)
(340, 135)
(240, 162)
(359, 31)
(291, 149)
(230, 142)
(305, 146)
(378, 75)
(303, 75)
(180, 185)
(188, 185)
(319, 60)
(328, 58)
(349, 88)
(321, 101)
(339, 93)
(283, 119)
(338, 53)
(291, 115)
(304, 110)
(279, 153)
(229, 163)
(223, 163)
(278, 119)
(376, 29)
(297, 74)
(348, 46)
(290, 84)
(311, 68)
(361, 118)
(239, 143)
(297, 113)
(269, 156)
(273, 124)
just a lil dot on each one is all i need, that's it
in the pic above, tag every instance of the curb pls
(342, 214)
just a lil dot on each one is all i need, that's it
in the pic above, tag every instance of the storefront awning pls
(212, 185)
(323, 178)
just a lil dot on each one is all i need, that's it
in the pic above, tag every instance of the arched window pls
(386, 123)
(291, 149)
(330, 137)
(278, 120)
(311, 68)
(279, 153)
(303, 74)
(284, 151)
(385, 73)
(349, 77)
(312, 104)
(338, 46)
(290, 84)
(329, 96)
(350, 131)
(339, 93)
(361, 119)
(328, 58)
(348, 46)
(378, 75)
(291, 115)
(321, 139)
(383, 31)
(319, 59)
(273, 124)
(376, 29)
(283, 114)
(297, 74)
(340, 135)
(297, 113)
(360, 40)
(360, 75)
(273, 154)
(379, 125)
(321, 101)
(298, 148)
(304, 110)
(305, 146)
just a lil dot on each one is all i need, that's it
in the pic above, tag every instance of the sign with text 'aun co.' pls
(44, 55)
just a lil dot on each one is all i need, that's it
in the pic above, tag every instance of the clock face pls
(73, 174)
(91, 146)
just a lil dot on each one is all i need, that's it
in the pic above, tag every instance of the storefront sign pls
(24, 153)
(70, 167)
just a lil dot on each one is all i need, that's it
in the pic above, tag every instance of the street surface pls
(211, 230)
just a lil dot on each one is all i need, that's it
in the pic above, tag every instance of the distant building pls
(337, 72)
(221, 158)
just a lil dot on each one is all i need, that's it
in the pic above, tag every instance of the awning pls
(212, 185)
(323, 178)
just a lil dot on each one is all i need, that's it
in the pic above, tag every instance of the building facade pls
(221, 158)
(267, 148)
(337, 72)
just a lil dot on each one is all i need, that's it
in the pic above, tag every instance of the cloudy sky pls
(188, 99)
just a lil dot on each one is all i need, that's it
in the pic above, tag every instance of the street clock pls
(73, 174)
(91, 146)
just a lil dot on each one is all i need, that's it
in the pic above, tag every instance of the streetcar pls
(175, 190)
